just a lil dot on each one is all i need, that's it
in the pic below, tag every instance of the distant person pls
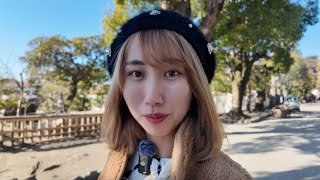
(160, 121)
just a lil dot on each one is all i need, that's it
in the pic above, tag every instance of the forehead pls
(134, 49)
(155, 47)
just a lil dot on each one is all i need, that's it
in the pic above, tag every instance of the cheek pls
(132, 95)
(180, 95)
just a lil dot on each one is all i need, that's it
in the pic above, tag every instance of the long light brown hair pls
(119, 129)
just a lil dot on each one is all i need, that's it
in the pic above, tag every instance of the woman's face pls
(157, 96)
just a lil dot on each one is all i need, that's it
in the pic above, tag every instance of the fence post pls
(69, 127)
(39, 128)
(1, 130)
(93, 124)
(84, 128)
(12, 131)
(87, 125)
(47, 127)
(16, 128)
(78, 128)
(54, 131)
(100, 122)
(61, 128)
(22, 124)
(81, 126)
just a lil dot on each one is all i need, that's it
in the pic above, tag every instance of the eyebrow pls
(135, 62)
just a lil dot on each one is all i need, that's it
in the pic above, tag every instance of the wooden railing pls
(30, 129)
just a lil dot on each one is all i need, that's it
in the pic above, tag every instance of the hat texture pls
(170, 20)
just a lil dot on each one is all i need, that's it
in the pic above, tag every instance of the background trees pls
(15, 105)
(302, 77)
(205, 12)
(253, 40)
(244, 34)
(79, 62)
(252, 31)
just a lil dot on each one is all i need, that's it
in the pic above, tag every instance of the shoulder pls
(115, 164)
(222, 167)
(230, 168)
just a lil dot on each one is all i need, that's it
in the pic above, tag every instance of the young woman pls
(160, 120)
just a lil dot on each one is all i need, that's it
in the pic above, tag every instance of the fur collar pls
(220, 167)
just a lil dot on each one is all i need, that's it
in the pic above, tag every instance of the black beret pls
(170, 20)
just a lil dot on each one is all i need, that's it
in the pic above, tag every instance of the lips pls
(156, 118)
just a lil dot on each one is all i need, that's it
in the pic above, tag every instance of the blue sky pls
(23, 20)
(309, 45)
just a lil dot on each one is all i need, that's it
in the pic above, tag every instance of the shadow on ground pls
(299, 133)
(52, 144)
(303, 173)
(304, 114)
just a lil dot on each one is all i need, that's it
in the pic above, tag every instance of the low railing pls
(30, 129)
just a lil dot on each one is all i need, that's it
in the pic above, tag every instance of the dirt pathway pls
(65, 159)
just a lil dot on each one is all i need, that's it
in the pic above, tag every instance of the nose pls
(153, 92)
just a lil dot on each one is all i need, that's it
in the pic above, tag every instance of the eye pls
(136, 74)
(171, 73)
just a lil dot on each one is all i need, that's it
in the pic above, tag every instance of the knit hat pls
(170, 20)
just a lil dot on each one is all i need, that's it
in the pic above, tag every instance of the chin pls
(157, 133)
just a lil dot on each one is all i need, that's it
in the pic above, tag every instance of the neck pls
(164, 145)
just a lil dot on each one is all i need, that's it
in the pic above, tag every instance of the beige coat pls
(220, 167)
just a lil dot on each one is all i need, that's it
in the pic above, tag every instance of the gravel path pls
(65, 159)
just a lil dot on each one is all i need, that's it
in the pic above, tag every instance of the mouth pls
(155, 118)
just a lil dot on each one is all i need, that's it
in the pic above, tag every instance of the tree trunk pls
(260, 99)
(182, 6)
(249, 99)
(273, 91)
(165, 5)
(212, 9)
(19, 106)
(21, 87)
(243, 84)
(73, 89)
(62, 108)
(236, 93)
(239, 84)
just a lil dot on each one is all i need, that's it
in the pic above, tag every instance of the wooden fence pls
(30, 129)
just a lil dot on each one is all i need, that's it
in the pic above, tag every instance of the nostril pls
(154, 98)
(154, 101)
(153, 92)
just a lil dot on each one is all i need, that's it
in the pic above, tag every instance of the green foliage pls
(248, 32)
(112, 22)
(260, 77)
(253, 25)
(253, 31)
(81, 59)
(53, 95)
(280, 62)
(197, 9)
(80, 103)
(221, 81)
(101, 92)
(300, 79)
(124, 9)
(6, 90)
(9, 104)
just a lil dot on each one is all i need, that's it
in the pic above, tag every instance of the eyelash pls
(173, 70)
(166, 74)
(131, 73)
